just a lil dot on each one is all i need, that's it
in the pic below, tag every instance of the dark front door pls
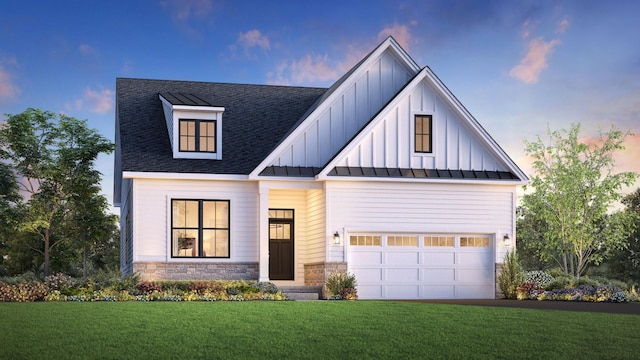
(281, 245)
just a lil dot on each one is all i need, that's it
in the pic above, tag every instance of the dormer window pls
(198, 135)
(194, 126)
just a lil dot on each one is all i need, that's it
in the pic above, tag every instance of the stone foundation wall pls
(315, 274)
(196, 271)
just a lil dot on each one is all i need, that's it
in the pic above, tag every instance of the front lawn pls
(319, 330)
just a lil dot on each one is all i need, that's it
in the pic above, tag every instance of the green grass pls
(319, 330)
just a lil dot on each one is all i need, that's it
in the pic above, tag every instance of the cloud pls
(528, 27)
(399, 32)
(318, 70)
(8, 89)
(184, 10)
(531, 66)
(563, 25)
(86, 50)
(99, 101)
(253, 38)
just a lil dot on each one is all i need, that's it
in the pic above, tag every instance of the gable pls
(459, 143)
(345, 108)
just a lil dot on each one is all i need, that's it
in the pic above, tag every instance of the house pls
(385, 175)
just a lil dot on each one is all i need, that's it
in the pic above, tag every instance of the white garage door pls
(430, 266)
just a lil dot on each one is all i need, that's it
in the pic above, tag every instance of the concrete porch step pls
(302, 292)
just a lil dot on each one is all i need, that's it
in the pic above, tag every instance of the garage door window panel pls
(474, 241)
(402, 241)
(364, 240)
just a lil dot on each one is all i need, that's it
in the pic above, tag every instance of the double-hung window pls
(200, 228)
(423, 139)
(197, 135)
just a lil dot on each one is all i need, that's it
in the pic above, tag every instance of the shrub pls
(23, 292)
(539, 277)
(337, 283)
(202, 287)
(528, 290)
(22, 278)
(59, 281)
(265, 287)
(511, 275)
(147, 287)
(240, 285)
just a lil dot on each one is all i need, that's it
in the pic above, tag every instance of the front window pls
(197, 135)
(200, 228)
(422, 131)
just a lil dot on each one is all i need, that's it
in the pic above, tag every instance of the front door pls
(281, 244)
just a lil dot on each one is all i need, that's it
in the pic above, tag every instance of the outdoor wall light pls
(336, 238)
(506, 241)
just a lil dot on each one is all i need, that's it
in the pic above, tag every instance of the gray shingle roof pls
(255, 120)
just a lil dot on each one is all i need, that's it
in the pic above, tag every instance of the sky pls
(520, 67)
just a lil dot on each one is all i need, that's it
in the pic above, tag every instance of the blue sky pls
(518, 66)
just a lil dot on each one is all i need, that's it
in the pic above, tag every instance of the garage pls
(422, 266)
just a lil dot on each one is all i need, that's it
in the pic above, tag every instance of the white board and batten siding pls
(345, 112)
(389, 143)
(422, 209)
(152, 209)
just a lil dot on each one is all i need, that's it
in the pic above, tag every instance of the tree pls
(625, 263)
(573, 188)
(53, 156)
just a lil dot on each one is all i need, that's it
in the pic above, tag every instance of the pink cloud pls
(528, 27)
(563, 25)
(8, 89)
(531, 66)
(99, 101)
(399, 32)
(253, 38)
(312, 68)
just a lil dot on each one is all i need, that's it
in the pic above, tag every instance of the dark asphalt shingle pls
(255, 120)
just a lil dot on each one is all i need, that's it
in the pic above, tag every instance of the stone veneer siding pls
(196, 271)
(315, 274)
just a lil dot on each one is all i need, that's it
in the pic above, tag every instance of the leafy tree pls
(573, 188)
(625, 263)
(529, 229)
(53, 155)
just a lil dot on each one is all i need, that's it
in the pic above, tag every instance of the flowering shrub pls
(60, 287)
(539, 277)
(339, 284)
(147, 287)
(23, 292)
(588, 293)
(528, 290)
(201, 287)
(59, 281)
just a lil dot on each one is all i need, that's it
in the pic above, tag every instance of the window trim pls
(201, 229)
(412, 140)
(197, 135)
(415, 133)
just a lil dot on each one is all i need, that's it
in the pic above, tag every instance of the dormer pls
(194, 126)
